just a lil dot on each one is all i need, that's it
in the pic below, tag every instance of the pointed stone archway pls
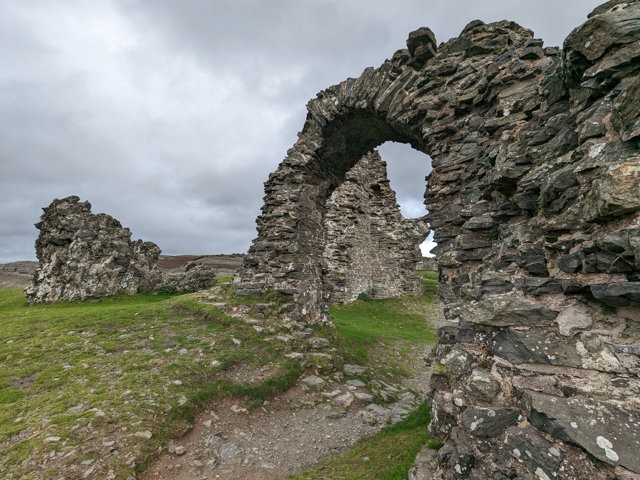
(534, 200)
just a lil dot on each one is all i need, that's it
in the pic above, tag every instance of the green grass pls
(75, 377)
(362, 324)
(224, 279)
(100, 371)
(387, 455)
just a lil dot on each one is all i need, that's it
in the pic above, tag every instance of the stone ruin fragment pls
(84, 255)
(370, 247)
(194, 277)
(534, 198)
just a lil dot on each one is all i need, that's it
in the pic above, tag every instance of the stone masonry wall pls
(84, 255)
(370, 247)
(535, 203)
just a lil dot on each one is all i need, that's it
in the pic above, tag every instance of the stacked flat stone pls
(84, 255)
(535, 202)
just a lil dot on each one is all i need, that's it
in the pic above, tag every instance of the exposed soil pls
(285, 436)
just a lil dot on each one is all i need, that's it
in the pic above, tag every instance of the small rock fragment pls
(238, 409)
(313, 382)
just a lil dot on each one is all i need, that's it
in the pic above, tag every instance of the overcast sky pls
(169, 115)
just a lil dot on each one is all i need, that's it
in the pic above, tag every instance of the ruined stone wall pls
(84, 255)
(428, 263)
(370, 247)
(535, 202)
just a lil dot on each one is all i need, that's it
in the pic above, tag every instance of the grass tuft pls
(360, 325)
(388, 455)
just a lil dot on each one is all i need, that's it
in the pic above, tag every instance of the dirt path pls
(294, 431)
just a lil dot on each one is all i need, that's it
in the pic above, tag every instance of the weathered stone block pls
(84, 255)
(614, 192)
(456, 363)
(606, 431)
(482, 385)
(535, 346)
(195, 277)
(486, 422)
(506, 310)
(539, 286)
(527, 446)
(617, 294)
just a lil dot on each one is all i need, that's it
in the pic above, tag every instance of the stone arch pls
(409, 99)
(534, 199)
(344, 123)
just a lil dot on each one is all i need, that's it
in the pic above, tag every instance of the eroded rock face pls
(84, 255)
(370, 247)
(194, 277)
(535, 202)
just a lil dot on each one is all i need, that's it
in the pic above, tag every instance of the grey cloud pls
(170, 115)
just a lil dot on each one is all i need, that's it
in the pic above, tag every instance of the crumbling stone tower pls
(369, 247)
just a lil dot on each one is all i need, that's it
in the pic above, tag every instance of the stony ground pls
(311, 422)
(182, 342)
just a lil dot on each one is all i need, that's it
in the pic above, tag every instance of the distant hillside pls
(222, 264)
(16, 274)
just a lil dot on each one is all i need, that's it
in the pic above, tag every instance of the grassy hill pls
(95, 389)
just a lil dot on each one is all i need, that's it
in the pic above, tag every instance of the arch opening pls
(362, 243)
(408, 171)
(370, 246)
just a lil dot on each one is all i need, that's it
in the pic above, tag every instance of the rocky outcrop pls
(370, 247)
(84, 255)
(534, 202)
(194, 277)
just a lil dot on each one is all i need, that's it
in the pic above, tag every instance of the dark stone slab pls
(535, 346)
(482, 385)
(617, 294)
(505, 310)
(485, 422)
(604, 429)
(530, 448)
